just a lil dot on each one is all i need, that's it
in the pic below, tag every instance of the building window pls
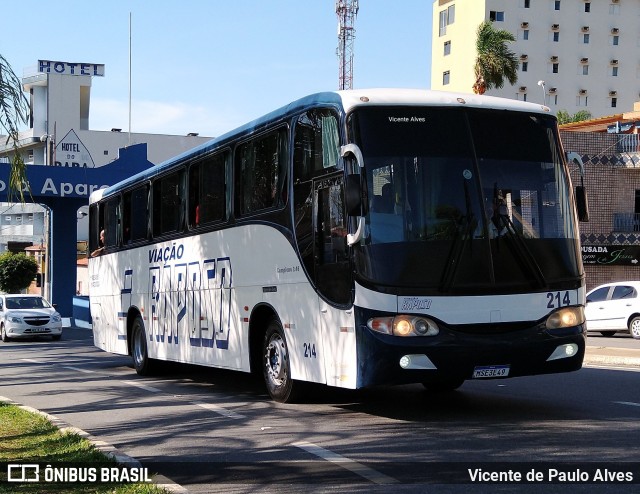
(614, 102)
(525, 66)
(615, 40)
(445, 78)
(582, 101)
(525, 34)
(554, 68)
(527, 4)
(447, 48)
(556, 5)
(7, 219)
(556, 36)
(614, 9)
(587, 6)
(614, 71)
(447, 17)
(496, 15)
(585, 38)
(585, 69)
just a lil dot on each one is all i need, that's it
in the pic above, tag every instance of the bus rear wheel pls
(276, 366)
(141, 361)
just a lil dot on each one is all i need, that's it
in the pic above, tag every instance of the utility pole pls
(346, 10)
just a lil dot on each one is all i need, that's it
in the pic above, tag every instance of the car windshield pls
(26, 303)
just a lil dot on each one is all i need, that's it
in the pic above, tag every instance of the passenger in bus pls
(99, 251)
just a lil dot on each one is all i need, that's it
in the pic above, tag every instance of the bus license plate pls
(491, 371)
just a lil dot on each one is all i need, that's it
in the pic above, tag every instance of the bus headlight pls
(565, 318)
(402, 325)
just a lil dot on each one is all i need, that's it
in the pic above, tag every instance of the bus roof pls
(347, 100)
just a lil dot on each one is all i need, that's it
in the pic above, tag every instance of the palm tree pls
(14, 109)
(495, 62)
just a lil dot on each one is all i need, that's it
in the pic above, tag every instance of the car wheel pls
(276, 365)
(141, 361)
(634, 327)
(607, 333)
(5, 338)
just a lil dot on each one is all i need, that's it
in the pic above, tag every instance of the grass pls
(27, 437)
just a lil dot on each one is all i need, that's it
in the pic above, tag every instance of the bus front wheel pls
(276, 365)
(141, 361)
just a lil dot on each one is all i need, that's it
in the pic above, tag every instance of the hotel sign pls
(68, 68)
(611, 255)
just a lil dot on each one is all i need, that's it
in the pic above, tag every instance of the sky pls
(209, 66)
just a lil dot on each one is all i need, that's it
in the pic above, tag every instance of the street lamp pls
(544, 92)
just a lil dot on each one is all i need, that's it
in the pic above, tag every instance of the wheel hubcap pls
(274, 361)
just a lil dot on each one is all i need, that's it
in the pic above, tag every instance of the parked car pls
(26, 316)
(614, 307)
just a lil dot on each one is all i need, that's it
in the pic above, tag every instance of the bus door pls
(334, 281)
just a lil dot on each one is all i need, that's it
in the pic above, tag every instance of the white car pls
(614, 307)
(26, 316)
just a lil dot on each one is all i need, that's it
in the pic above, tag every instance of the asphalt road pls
(217, 431)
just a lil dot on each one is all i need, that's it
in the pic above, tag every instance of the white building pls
(584, 51)
(59, 94)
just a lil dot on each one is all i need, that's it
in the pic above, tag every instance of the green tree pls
(494, 61)
(564, 117)
(14, 110)
(17, 271)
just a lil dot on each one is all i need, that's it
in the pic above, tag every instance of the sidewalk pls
(623, 357)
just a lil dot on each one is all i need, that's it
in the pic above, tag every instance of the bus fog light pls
(416, 362)
(564, 351)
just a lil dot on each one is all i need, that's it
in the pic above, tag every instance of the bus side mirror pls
(582, 204)
(356, 206)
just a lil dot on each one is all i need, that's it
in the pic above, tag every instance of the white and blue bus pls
(351, 238)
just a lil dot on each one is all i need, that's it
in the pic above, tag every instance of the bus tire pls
(443, 385)
(276, 367)
(141, 361)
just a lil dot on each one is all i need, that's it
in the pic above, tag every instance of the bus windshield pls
(464, 201)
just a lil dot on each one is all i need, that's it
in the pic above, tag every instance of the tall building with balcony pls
(573, 55)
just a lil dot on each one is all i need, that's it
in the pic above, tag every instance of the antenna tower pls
(346, 10)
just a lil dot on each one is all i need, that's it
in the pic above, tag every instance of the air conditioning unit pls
(613, 61)
(584, 60)
(524, 25)
(553, 90)
(553, 58)
(523, 89)
(524, 56)
(555, 26)
(585, 29)
(582, 92)
(615, 30)
(613, 93)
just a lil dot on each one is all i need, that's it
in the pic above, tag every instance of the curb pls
(102, 446)
(618, 357)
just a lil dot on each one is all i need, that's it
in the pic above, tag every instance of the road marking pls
(353, 466)
(78, 369)
(136, 384)
(629, 403)
(219, 410)
(33, 361)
